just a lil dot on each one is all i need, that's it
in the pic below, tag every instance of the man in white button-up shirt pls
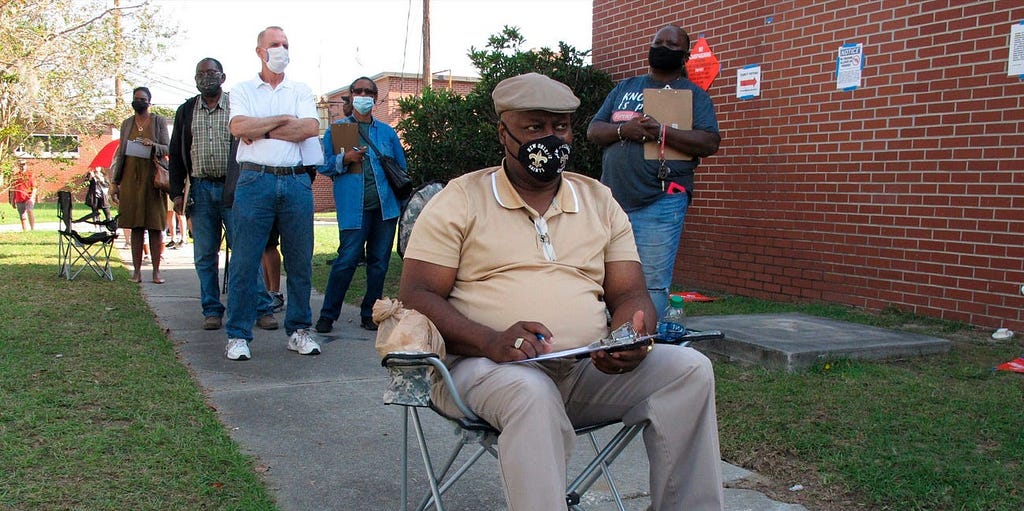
(276, 121)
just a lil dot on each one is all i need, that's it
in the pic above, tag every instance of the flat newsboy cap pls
(534, 91)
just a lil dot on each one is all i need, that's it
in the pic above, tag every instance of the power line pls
(171, 83)
(405, 45)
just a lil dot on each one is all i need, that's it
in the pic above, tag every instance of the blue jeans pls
(658, 228)
(260, 198)
(378, 236)
(209, 220)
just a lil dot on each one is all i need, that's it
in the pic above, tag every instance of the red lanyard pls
(663, 170)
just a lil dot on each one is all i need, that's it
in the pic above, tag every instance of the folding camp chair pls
(86, 250)
(409, 387)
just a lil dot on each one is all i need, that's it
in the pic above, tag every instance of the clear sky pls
(335, 41)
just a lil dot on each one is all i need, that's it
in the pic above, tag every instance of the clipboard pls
(138, 150)
(673, 108)
(585, 351)
(622, 338)
(345, 136)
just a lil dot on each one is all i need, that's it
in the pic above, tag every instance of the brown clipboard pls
(673, 108)
(346, 136)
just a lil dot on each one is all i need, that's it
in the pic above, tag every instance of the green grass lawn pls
(44, 212)
(97, 413)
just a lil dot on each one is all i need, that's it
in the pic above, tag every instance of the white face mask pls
(277, 59)
(362, 104)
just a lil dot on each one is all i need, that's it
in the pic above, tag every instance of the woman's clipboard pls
(673, 108)
(137, 149)
(346, 136)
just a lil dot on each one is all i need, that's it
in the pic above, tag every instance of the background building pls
(61, 162)
(906, 192)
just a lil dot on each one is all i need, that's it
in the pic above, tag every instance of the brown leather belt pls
(277, 171)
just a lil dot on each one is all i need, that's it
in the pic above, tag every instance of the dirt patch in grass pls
(776, 476)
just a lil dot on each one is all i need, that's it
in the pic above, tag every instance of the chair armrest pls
(411, 380)
(406, 358)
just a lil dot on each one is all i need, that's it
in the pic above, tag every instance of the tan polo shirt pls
(480, 225)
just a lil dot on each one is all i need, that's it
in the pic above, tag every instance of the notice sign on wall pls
(748, 81)
(703, 66)
(849, 66)
(1016, 65)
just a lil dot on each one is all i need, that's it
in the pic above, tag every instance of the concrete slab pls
(317, 426)
(793, 341)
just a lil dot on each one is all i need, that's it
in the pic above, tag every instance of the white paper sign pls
(849, 66)
(748, 81)
(1016, 64)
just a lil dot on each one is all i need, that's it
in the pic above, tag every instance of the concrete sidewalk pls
(317, 425)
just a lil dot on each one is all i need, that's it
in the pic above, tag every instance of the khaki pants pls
(537, 406)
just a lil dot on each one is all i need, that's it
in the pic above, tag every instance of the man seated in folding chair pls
(523, 259)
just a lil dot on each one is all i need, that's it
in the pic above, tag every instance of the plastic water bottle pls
(672, 326)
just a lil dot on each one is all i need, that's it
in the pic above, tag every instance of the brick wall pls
(54, 175)
(906, 192)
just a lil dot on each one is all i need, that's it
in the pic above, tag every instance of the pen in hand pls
(545, 343)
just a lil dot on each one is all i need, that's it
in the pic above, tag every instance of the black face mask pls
(663, 58)
(208, 86)
(140, 106)
(545, 158)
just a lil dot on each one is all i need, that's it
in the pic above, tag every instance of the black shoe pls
(277, 301)
(324, 325)
(366, 324)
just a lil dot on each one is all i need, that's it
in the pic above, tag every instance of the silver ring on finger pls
(519, 343)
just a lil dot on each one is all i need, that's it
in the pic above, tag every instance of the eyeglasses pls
(545, 240)
(365, 92)
(212, 74)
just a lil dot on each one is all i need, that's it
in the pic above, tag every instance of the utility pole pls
(118, 97)
(426, 45)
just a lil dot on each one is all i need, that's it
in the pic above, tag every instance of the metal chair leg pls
(579, 486)
(405, 458)
(421, 438)
(450, 480)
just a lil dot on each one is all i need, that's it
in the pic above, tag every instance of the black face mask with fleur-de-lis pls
(545, 158)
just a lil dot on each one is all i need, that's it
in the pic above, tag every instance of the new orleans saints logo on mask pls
(545, 158)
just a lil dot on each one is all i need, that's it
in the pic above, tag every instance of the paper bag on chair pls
(401, 330)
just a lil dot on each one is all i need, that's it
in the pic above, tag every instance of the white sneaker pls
(237, 349)
(303, 343)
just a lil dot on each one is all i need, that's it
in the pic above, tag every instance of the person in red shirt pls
(23, 197)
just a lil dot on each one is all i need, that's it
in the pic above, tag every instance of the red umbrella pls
(105, 158)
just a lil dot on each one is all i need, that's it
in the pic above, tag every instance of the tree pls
(449, 135)
(59, 59)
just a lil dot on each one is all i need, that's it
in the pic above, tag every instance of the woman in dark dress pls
(142, 206)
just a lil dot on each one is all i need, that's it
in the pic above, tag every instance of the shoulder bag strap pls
(366, 137)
